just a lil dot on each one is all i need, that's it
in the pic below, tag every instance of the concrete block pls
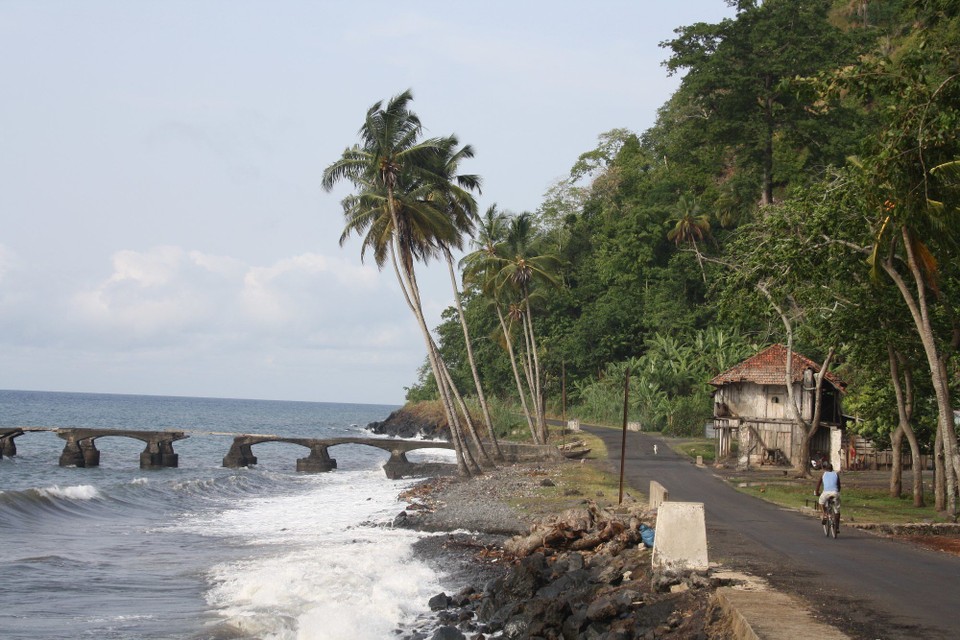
(658, 494)
(573, 425)
(681, 540)
(633, 426)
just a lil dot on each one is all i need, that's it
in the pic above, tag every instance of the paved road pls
(868, 586)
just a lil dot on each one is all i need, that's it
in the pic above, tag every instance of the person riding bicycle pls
(827, 487)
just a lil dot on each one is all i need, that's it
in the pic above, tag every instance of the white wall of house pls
(770, 401)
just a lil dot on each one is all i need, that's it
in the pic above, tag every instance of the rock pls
(448, 633)
(603, 608)
(411, 421)
(547, 482)
(438, 602)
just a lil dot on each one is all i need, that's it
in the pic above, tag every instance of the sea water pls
(202, 551)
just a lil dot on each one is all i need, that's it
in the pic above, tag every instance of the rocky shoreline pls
(591, 577)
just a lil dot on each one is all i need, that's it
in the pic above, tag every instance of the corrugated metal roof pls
(769, 367)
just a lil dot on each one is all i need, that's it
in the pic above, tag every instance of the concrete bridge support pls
(239, 455)
(81, 449)
(398, 466)
(7, 445)
(319, 460)
(159, 454)
(91, 455)
(72, 455)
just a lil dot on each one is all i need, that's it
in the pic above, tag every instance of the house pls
(751, 407)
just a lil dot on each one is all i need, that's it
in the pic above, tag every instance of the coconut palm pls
(393, 172)
(522, 263)
(462, 210)
(691, 225)
(480, 269)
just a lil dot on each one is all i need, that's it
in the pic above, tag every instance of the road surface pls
(867, 586)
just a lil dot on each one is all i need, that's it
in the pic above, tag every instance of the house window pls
(775, 400)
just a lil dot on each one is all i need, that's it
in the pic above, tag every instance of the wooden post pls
(623, 440)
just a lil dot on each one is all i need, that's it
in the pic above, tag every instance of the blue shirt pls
(831, 481)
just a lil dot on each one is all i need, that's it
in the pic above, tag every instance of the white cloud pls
(168, 295)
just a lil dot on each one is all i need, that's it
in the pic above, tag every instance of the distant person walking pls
(654, 449)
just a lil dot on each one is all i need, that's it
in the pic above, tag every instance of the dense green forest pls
(801, 186)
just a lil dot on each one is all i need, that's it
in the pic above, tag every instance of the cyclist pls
(829, 485)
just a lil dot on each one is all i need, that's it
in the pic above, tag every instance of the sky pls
(163, 230)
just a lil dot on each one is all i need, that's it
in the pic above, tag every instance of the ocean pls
(202, 551)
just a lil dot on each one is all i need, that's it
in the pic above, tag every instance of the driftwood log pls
(586, 528)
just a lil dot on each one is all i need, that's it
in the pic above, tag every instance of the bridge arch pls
(81, 450)
(319, 460)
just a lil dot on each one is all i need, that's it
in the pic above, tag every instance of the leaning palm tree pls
(393, 172)
(454, 192)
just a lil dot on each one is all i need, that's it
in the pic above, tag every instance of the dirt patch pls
(947, 544)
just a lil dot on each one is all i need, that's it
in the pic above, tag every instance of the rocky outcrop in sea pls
(421, 420)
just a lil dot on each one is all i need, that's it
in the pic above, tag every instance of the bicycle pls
(831, 520)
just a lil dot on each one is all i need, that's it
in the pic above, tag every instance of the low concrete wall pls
(681, 539)
(658, 494)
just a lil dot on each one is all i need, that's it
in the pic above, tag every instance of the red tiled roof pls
(770, 367)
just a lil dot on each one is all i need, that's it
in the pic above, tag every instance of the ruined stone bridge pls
(319, 460)
(80, 449)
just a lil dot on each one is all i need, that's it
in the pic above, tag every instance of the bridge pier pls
(159, 454)
(7, 445)
(318, 461)
(90, 453)
(72, 454)
(239, 455)
(398, 465)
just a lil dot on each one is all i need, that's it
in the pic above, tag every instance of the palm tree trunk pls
(471, 429)
(412, 297)
(526, 361)
(450, 390)
(537, 376)
(516, 374)
(481, 397)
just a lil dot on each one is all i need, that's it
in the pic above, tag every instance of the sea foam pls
(313, 572)
(78, 492)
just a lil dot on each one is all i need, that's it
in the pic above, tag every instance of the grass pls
(694, 447)
(576, 481)
(859, 503)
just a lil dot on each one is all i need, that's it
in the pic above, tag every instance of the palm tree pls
(393, 172)
(521, 264)
(480, 269)
(691, 225)
(462, 210)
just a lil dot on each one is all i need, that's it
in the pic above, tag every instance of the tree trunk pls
(471, 429)
(533, 372)
(904, 394)
(516, 375)
(408, 285)
(896, 463)
(920, 313)
(802, 464)
(766, 195)
(481, 397)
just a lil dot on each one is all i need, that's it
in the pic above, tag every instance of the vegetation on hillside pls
(802, 185)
